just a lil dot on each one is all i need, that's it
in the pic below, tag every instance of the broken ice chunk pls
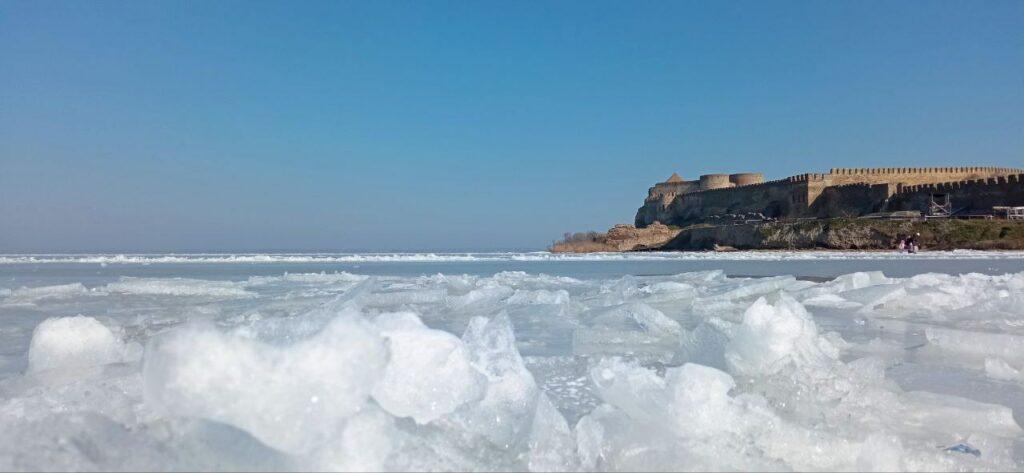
(539, 296)
(1001, 345)
(741, 288)
(830, 301)
(429, 373)
(873, 297)
(846, 282)
(199, 372)
(705, 345)
(996, 368)
(73, 342)
(773, 335)
(634, 328)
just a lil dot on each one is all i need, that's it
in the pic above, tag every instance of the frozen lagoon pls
(499, 361)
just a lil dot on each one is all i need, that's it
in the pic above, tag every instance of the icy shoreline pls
(513, 371)
(293, 258)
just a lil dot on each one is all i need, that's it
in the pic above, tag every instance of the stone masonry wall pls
(913, 176)
(851, 200)
(971, 196)
(781, 198)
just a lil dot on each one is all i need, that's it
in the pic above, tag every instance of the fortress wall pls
(974, 196)
(780, 198)
(659, 198)
(914, 176)
(663, 189)
(841, 192)
(851, 200)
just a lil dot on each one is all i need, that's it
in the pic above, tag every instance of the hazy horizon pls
(421, 126)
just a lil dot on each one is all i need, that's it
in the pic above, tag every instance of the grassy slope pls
(943, 234)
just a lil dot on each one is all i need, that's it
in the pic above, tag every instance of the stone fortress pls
(842, 192)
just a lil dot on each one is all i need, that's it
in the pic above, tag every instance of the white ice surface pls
(515, 371)
(69, 343)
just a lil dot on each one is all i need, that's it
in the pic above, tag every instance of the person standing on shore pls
(911, 243)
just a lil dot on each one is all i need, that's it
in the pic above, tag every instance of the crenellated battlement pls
(806, 177)
(926, 170)
(953, 186)
(747, 188)
(799, 178)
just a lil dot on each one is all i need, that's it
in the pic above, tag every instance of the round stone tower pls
(746, 178)
(714, 181)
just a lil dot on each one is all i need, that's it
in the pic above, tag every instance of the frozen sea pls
(512, 361)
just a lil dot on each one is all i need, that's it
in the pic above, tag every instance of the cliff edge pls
(853, 234)
(821, 234)
(619, 238)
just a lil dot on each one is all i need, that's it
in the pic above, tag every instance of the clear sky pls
(466, 125)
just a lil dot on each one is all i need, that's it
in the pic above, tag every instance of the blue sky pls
(465, 125)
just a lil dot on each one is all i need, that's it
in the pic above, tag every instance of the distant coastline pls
(823, 234)
(972, 207)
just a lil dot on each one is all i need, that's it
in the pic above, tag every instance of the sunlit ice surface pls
(512, 361)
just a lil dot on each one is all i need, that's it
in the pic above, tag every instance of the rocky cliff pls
(853, 234)
(619, 238)
(833, 234)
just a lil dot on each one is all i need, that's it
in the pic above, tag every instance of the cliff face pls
(830, 234)
(654, 211)
(620, 238)
(854, 234)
